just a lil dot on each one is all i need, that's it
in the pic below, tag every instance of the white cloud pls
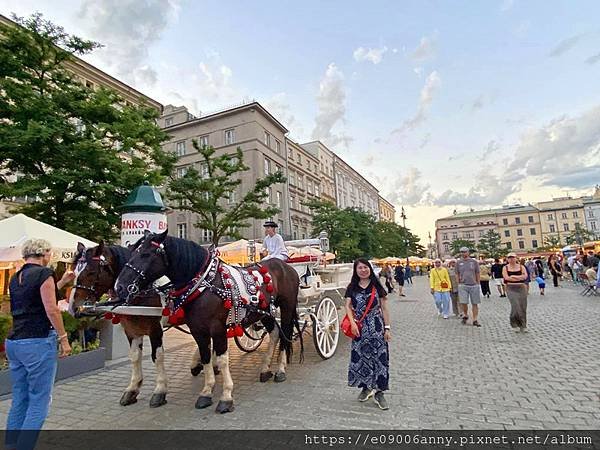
(426, 49)
(279, 106)
(507, 5)
(418, 71)
(561, 151)
(487, 190)
(409, 189)
(374, 55)
(127, 29)
(565, 45)
(432, 84)
(593, 59)
(331, 101)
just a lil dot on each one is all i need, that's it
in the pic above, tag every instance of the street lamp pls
(324, 241)
(403, 215)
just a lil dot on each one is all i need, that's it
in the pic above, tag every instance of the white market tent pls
(15, 230)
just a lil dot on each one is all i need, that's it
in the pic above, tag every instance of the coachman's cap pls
(270, 223)
(464, 249)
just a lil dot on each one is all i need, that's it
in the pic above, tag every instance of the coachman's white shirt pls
(276, 247)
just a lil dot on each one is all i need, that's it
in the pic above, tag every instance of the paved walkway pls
(443, 375)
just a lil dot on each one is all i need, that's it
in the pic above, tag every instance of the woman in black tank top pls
(515, 275)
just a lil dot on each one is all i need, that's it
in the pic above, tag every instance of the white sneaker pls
(445, 317)
(524, 330)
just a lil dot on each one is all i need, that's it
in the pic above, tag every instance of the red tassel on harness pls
(227, 303)
(239, 331)
(108, 315)
(166, 311)
(230, 332)
(263, 270)
(269, 288)
(266, 279)
(116, 320)
(226, 275)
(220, 269)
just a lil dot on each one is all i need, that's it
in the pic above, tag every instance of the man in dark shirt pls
(497, 277)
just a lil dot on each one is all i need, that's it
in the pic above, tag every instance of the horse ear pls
(162, 236)
(80, 247)
(99, 249)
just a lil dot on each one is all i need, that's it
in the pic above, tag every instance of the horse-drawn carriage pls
(307, 304)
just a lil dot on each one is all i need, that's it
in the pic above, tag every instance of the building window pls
(564, 215)
(267, 139)
(269, 195)
(591, 213)
(454, 236)
(509, 245)
(519, 232)
(309, 185)
(481, 233)
(301, 181)
(180, 148)
(207, 235)
(446, 247)
(267, 167)
(203, 141)
(168, 122)
(291, 153)
(299, 158)
(550, 216)
(552, 228)
(517, 220)
(316, 190)
(530, 218)
(292, 178)
(277, 146)
(229, 136)
(521, 244)
(593, 225)
(506, 233)
(231, 198)
(279, 197)
(534, 243)
(532, 231)
(505, 221)
(182, 230)
(575, 214)
(181, 171)
(445, 236)
(566, 226)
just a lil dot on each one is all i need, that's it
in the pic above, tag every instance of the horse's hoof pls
(279, 377)
(158, 400)
(225, 406)
(265, 376)
(196, 370)
(128, 398)
(203, 402)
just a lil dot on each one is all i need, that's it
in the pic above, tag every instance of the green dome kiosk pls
(143, 210)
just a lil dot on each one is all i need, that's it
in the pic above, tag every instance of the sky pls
(442, 105)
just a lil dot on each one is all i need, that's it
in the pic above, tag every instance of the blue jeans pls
(32, 364)
(442, 302)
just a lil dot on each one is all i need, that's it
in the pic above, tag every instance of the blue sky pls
(443, 105)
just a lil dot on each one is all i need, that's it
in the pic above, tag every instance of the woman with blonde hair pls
(31, 346)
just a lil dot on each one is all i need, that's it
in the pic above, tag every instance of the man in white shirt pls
(273, 244)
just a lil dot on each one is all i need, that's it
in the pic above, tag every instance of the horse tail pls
(286, 338)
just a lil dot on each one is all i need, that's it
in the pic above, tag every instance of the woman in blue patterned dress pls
(369, 359)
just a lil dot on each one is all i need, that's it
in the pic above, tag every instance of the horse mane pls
(121, 254)
(186, 259)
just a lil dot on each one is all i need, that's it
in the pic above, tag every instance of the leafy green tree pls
(456, 245)
(74, 152)
(579, 235)
(395, 240)
(210, 193)
(490, 245)
(552, 241)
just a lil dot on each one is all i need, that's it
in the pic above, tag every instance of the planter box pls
(67, 367)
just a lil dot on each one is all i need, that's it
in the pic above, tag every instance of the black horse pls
(97, 269)
(206, 316)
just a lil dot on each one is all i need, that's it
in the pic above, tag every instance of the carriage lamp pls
(323, 242)
(251, 250)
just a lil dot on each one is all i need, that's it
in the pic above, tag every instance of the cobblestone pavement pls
(443, 375)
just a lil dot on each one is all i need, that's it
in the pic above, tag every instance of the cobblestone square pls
(443, 376)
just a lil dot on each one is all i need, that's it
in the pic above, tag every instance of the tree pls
(552, 242)
(74, 152)
(354, 233)
(457, 244)
(579, 235)
(490, 245)
(211, 194)
(394, 240)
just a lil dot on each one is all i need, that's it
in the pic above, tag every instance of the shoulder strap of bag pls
(369, 305)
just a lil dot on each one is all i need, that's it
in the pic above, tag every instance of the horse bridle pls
(133, 288)
(92, 289)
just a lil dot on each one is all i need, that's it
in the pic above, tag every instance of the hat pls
(511, 255)
(270, 223)
(464, 249)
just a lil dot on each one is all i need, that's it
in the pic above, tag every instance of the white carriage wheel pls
(326, 328)
(257, 332)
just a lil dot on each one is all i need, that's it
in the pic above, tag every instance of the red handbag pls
(346, 326)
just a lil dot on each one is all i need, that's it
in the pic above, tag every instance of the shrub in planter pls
(5, 325)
